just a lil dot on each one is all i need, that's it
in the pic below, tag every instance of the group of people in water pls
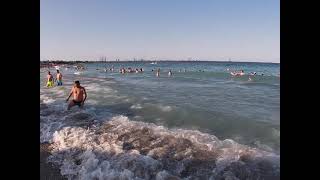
(158, 72)
(241, 73)
(51, 79)
(123, 70)
(78, 92)
(130, 70)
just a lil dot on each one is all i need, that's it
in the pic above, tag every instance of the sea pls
(199, 123)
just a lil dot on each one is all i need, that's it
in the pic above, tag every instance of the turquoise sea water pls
(199, 96)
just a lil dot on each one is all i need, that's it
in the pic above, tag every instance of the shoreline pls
(47, 170)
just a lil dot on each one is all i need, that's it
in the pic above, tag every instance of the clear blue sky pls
(246, 30)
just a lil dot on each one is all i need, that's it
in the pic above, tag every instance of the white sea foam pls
(138, 150)
(165, 108)
(136, 106)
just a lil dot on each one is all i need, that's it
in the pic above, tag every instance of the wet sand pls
(47, 170)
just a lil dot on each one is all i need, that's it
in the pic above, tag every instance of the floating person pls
(170, 73)
(179, 70)
(79, 95)
(158, 72)
(239, 73)
(49, 80)
(137, 70)
(141, 70)
(59, 78)
(122, 70)
(185, 70)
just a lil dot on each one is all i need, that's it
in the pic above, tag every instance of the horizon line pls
(164, 60)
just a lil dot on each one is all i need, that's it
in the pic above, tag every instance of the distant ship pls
(153, 63)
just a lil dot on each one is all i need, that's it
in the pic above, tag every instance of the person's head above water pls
(77, 84)
(58, 71)
(49, 72)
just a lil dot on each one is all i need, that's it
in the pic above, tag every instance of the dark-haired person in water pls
(77, 91)
(49, 80)
(59, 78)
(158, 72)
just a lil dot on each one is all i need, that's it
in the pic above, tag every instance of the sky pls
(242, 30)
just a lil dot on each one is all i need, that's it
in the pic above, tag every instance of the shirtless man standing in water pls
(59, 78)
(78, 92)
(49, 80)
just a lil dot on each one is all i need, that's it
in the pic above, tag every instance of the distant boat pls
(153, 63)
(57, 67)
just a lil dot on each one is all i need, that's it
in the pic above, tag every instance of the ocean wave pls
(138, 150)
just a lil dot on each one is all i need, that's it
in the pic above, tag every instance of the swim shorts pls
(59, 83)
(50, 84)
(77, 103)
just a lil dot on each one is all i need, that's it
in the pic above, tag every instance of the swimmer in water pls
(59, 78)
(79, 95)
(169, 73)
(240, 73)
(137, 71)
(141, 70)
(158, 72)
(49, 80)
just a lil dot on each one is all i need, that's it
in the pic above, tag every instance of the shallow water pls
(195, 110)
